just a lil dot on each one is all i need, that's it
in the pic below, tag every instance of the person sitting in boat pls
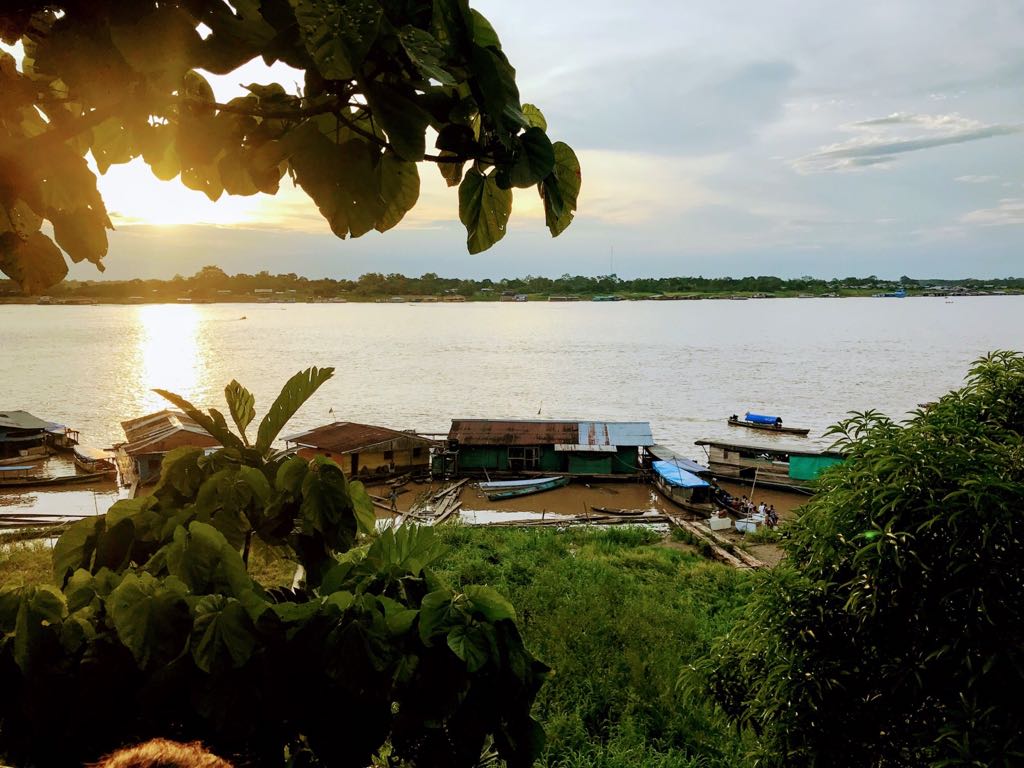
(771, 518)
(778, 422)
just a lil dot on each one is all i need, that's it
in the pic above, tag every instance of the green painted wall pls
(809, 467)
(551, 460)
(626, 460)
(482, 457)
(590, 465)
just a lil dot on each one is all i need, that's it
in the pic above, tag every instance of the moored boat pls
(783, 467)
(22, 477)
(90, 459)
(766, 423)
(683, 487)
(508, 489)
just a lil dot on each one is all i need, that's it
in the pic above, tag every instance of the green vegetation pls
(618, 617)
(155, 621)
(893, 632)
(123, 80)
(213, 284)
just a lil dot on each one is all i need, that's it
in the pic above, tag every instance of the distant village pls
(211, 284)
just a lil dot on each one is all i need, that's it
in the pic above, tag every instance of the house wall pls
(483, 457)
(809, 467)
(376, 461)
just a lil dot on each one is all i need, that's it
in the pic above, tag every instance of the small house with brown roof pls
(148, 440)
(363, 450)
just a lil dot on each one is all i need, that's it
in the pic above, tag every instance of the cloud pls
(878, 144)
(1009, 211)
(973, 179)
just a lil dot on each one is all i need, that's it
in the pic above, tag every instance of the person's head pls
(162, 753)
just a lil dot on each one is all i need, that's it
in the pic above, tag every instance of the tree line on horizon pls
(212, 282)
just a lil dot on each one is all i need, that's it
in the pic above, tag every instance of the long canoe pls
(509, 489)
(25, 482)
(769, 427)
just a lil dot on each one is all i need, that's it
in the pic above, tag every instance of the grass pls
(619, 618)
(26, 562)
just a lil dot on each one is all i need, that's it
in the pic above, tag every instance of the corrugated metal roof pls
(347, 437)
(772, 450)
(146, 431)
(577, 448)
(513, 432)
(20, 420)
(662, 453)
(550, 432)
(616, 433)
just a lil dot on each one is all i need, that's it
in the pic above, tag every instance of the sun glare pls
(170, 353)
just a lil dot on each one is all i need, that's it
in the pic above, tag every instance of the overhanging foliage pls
(124, 80)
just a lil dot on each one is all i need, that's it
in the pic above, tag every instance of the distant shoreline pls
(105, 301)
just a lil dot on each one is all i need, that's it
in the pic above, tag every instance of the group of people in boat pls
(746, 508)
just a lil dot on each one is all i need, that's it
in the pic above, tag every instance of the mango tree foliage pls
(157, 628)
(893, 632)
(121, 80)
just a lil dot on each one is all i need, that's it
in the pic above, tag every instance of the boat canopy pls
(676, 475)
(758, 418)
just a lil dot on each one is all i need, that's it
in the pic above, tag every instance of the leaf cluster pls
(157, 625)
(893, 633)
(125, 80)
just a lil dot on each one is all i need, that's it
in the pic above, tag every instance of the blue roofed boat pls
(508, 489)
(684, 487)
(766, 423)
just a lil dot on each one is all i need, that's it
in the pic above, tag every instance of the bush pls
(893, 632)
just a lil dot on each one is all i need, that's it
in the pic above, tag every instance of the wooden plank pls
(719, 552)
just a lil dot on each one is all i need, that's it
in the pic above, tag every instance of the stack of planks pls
(733, 556)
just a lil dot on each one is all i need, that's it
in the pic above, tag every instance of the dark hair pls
(161, 753)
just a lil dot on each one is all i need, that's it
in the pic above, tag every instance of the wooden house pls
(363, 450)
(590, 448)
(149, 438)
(778, 466)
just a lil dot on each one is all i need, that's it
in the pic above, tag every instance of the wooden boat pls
(766, 423)
(90, 459)
(683, 487)
(20, 477)
(619, 512)
(509, 489)
(783, 467)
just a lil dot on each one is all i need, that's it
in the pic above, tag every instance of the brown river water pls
(683, 366)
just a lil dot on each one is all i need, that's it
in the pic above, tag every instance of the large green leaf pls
(561, 189)
(75, 547)
(491, 605)
(34, 263)
(296, 391)
(40, 614)
(426, 54)
(151, 618)
(341, 178)
(484, 208)
(403, 120)
(338, 35)
(399, 188)
(536, 159)
(242, 405)
(205, 562)
(223, 635)
(209, 423)
(469, 643)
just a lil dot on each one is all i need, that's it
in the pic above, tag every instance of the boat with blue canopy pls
(766, 423)
(682, 486)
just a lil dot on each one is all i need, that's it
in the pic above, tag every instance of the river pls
(683, 366)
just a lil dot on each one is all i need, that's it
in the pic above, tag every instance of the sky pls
(716, 137)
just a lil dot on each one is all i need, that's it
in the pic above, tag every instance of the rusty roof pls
(540, 432)
(146, 432)
(347, 436)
